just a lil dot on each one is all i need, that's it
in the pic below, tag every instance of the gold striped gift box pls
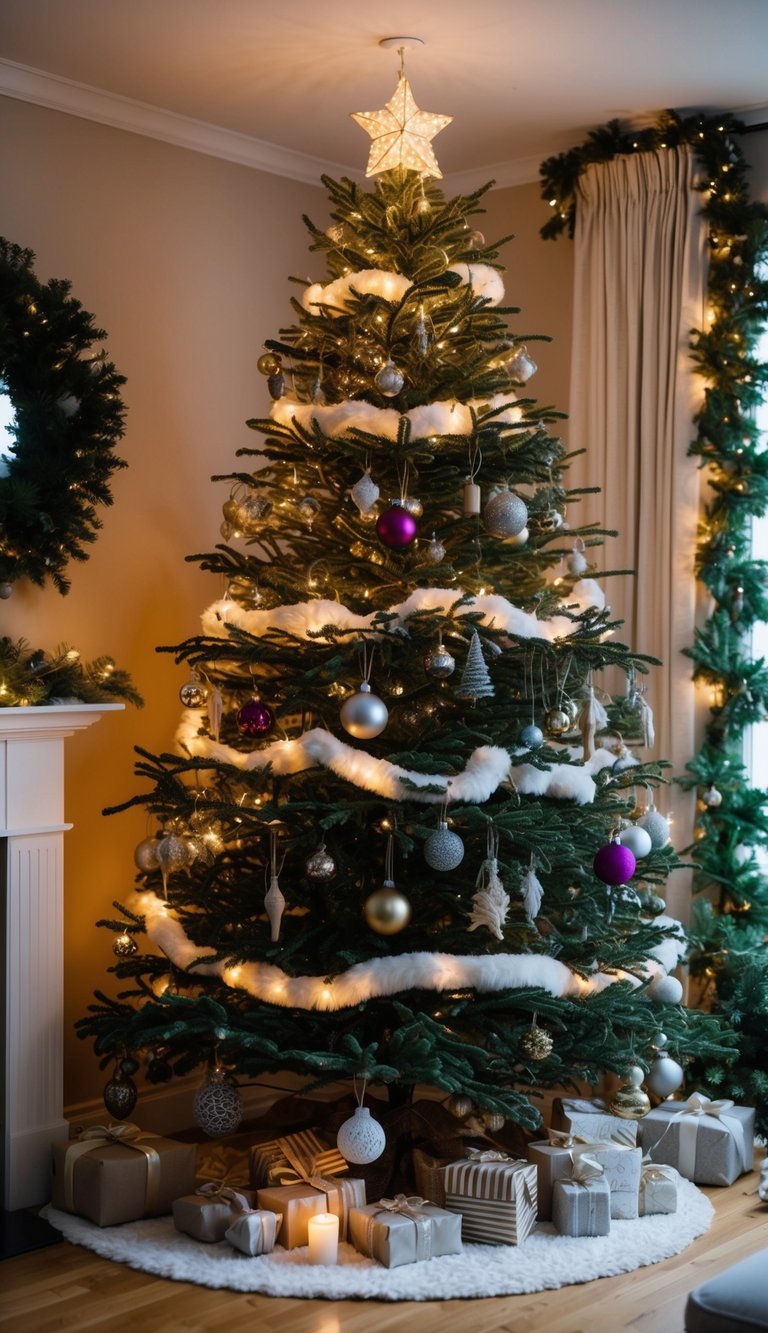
(496, 1196)
(293, 1159)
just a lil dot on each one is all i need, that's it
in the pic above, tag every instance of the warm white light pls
(323, 1231)
(401, 134)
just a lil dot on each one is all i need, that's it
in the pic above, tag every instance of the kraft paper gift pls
(404, 1230)
(658, 1189)
(582, 1206)
(495, 1194)
(119, 1173)
(590, 1118)
(292, 1159)
(299, 1202)
(710, 1142)
(208, 1212)
(254, 1232)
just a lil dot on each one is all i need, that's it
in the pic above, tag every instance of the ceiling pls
(273, 84)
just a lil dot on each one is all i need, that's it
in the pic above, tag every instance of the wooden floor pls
(65, 1287)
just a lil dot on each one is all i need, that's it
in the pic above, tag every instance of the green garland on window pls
(68, 416)
(731, 914)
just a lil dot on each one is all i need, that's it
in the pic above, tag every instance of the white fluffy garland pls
(485, 282)
(487, 768)
(303, 620)
(397, 973)
(443, 417)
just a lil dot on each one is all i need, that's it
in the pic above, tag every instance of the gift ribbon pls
(407, 1206)
(487, 1155)
(586, 1168)
(304, 1172)
(693, 1113)
(216, 1192)
(98, 1136)
(622, 1136)
(650, 1170)
(269, 1225)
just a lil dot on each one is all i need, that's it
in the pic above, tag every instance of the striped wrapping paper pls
(496, 1199)
(295, 1158)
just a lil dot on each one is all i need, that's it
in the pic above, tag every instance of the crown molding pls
(124, 113)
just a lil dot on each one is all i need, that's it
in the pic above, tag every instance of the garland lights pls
(731, 917)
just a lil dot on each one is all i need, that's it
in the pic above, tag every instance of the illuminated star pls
(401, 134)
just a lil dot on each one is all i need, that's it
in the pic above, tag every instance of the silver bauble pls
(557, 721)
(124, 945)
(655, 826)
(443, 850)
(666, 990)
(536, 1044)
(665, 1075)
(308, 509)
(435, 551)
(365, 493)
(320, 865)
(145, 855)
(532, 736)
(389, 380)
(364, 715)
(361, 1139)
(193, 693)
(412, 504)
(520, 365)
(438, 662)
(120, 1095)
(712, 797)
(172, 853)
(216, 1107)
(387, 911)
(630, 1102)
(505, 514)
(637, 839)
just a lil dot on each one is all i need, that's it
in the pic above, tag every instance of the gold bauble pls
(387, 911)
(269, 364)
(630, 1101)
(494, 1121)
(459, 1105)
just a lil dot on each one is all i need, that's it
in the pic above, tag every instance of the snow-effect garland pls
(487, 768)
(305, 620)
(443, 417)
(486, 282)
(397, 973)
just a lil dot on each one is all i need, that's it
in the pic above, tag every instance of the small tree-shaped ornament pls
(476, 680)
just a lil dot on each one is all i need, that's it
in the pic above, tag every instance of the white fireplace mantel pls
(32, 832)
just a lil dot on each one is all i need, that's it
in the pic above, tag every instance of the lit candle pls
(323, 1239)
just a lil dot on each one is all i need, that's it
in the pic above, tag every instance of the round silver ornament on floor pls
(444, 849)
(364, 715)
(216, 1107)
(361, 1139)
(505, 514)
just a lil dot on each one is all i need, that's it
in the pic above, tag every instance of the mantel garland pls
(731, 919)
(68, 417)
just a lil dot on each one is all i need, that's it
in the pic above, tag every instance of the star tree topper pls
(402, 134)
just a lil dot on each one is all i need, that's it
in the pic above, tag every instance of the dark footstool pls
(735, 1301)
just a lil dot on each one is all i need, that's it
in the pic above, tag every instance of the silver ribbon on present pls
(651, 1170)
(693, 1114)
(487, 1155)
(410, 1206)
(585, 1170)
(214, 1191)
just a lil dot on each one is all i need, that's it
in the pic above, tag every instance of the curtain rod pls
(751, 129)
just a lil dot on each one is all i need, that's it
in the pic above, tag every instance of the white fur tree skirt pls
(546, 1260)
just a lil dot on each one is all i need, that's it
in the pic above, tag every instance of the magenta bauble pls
(396, 527)
(255, 718)
(614, 863)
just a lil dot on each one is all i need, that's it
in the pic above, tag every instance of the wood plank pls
(66, 1287)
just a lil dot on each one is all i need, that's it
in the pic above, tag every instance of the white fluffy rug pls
(546, 1260)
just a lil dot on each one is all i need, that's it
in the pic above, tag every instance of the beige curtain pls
(640, 287)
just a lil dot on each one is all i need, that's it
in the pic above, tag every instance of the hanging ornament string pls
(359, 1096)
(389, 860)
(402, 477)
(366, 666)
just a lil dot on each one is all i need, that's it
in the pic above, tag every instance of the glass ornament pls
(255, 718)
(532, 736)
(412, 505)
(630, 1101)
(361, 1139)
(435, 551)
(655, 826)
(120, 1095)
(269, 363)
(459, 1105)
(193, 693)
(276, 385)
(614, 864)
(389, 380)
(124, 945)
(364, 715)
(536, 1043)
(505, 514)
(494, 1121)
(216, 1107)
(521, 366)
(396, 528)
(443, 849)
(386, 911)
(308, 509)
(439, 663)
(251, 512)
(712, 797)
(557, 721)
(320, 865)
(476, 240)
(636, 839)
(145, 855)
(172, 854)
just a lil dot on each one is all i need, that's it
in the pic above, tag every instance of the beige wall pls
(184, 260)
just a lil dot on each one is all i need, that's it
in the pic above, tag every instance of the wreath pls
(58, 457)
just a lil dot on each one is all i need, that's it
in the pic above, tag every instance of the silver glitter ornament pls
(505, 514)
(216, 1107)
(532, 736)
(435, 551)
(536, 1044)
(389, 380)
(320, 865)
(145, 855)
(521, 366)
(655, 826)
(438, 662)
(124, 945)
(120, 1095)
(365, 492)
(363, 714)
(444, 849)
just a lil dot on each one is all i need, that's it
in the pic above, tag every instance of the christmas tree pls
(398, 839)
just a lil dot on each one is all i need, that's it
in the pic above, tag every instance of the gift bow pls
(650, 1170)
(488, 1155)
(129, 1136)
(405, 1205)
(586, 1168)
(562, 1138)
(408, 1204)
(214, 1191)
(699, 1104)
(693, 1113)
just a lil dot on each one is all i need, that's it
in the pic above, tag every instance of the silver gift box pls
(552, 1163)
(207, 1216)
(582, 1209)
(658, 1190)
(590, 1118)
(622, 1168)
(395, 1238)
(707, 1149)
(497, 1200)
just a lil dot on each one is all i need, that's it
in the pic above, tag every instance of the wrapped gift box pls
(208, 1212)
(552, 1163)
(296, 1157)
(404, 1231)
(590, 1119)
(709, 1142)
(496, 1196)
(299, 1202)
(582, 1208)
(622, 1166)
(658, 1189)
(254, 1232)
(117, 1173)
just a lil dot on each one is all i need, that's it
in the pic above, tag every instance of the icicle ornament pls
(274, 899)
(490, 902)
(215, 712)
(533, 893)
